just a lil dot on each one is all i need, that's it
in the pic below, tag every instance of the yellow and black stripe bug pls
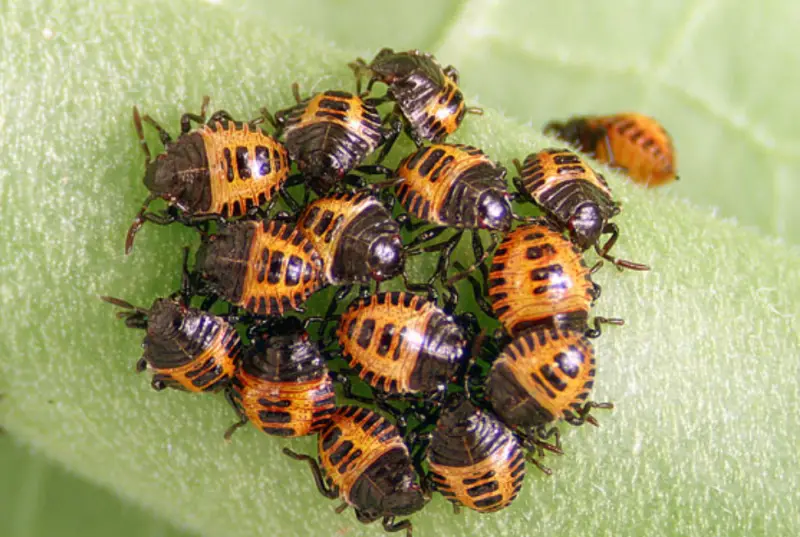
(401, 343)
(575, 197)
(331, 133)
(223, 168)
(427, 95)
(454, 186)
(538, 279)
(636, 144)
(185, 348)
(541, 377)
(473, 459)
(265, 267)
(356, 236)
(364, 461)
(282, 385)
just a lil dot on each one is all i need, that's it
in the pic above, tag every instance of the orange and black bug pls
(426, 94)
(266, 267)
(636, 144)
(454, 186)
(224, 168)
(366, 463)
(401, 343)
(574, 196)
(185, 348)
(330, 134)
(539, 279)
(544, 376)
(356, 237)
(473, 459)
(282, 384)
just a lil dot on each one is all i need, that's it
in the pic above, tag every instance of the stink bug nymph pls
(474, 459)
(266, 267)
(543, 376)
(401, 343)
(427, 95)
(223, 168)
(454, 186)
(282, 384)
(631, 142)
(331, 133)
(365, 462)
(575, 197)
(185, 348)
(538, 279)
(356, 236)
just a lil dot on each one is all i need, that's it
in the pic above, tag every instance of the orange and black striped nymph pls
(574, 196)
(539, 279)
(223, 168)
(282, 385)
(185, 348)
(357, 237)
(401, 343)
(454, 185)
(266, 267)
(543, 376)
(474, 459)
(634, 143)
(329, 134)
(365, 462)
(426, 94)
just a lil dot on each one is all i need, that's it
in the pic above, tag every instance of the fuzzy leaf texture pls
(704, 375)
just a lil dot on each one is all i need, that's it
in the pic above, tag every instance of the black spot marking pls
(490, 501)
(480, 490)
(567, 363)
(274, 416)
(274, 274)
(294, 270)
(341, 452)
(386, 339)
(262, 165)
(226, 153)
(243, 163)
(262, 266)
(551, 377)
(365, 335)
(339, 106)
(430, 162)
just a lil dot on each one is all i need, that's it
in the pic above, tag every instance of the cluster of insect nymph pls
(436, 401)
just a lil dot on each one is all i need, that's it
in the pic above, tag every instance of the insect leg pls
(315, 471)
(187, 118)
(239, 412)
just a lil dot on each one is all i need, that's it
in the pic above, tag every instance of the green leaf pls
(38, 498)
(704, 375)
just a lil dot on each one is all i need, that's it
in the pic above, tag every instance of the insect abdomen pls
(247, 167)
(540, 376)
(640, 146)
(560, 181)
(209, 348)
(442, 184)
(539, 279)
(475, 461)
(287, 409)
(266, 267)
(400, 343)
(354, 440)
(344, 228)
